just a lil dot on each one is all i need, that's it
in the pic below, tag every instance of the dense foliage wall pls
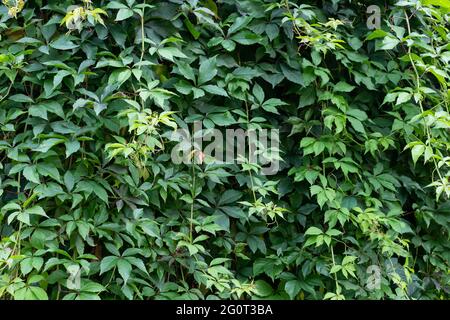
(92, 205)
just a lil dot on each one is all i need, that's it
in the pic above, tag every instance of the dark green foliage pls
(89, 96)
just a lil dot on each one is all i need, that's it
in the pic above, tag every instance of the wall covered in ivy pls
(93, 204)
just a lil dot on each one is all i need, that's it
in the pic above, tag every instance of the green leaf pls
(417, 151)
(192, 29)
(169, 53)
(116, 5)
(72, 147)
(186, 70)
(379, 33)
(63, 43)
(38, 293)
(438, 3)
(124, 14)
(124, 268)
(403, 97)
(100, 192)
(119, 76)
(333, 232)
(263, 289)
(228, 45)
(357, 125)
(230, 197)
(21, 98)
(292, 288)
(272, 104)
(258, 92)
(36, 210)
(59, 77)
(216, 90)
(389, 43)
(207, 71)
(69, 180)
(137, 263)
(358, 114)
(93, 287)
(400, 226)
(222, 119)
(239, 23)
(343, 86)
(292, 75)
(246, 38)
(108, 263)
(11, 206)
(38, 111)
(46, 145)
(313, 231)
(272, 31)
(30, 173)
(150, 228)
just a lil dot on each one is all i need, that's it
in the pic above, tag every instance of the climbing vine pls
(95, 97)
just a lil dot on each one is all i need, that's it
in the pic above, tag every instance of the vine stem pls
(142, 35)
(335, 274)
(249, 149)
(18, 243)
(112, 276)
(191, 225)
(142, 47)
(26, 203)
(58, 292)
(7, 92)
(427, 128)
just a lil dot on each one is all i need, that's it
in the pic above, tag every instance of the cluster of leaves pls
(92, 207)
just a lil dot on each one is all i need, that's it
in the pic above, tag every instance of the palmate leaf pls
(113, 114)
